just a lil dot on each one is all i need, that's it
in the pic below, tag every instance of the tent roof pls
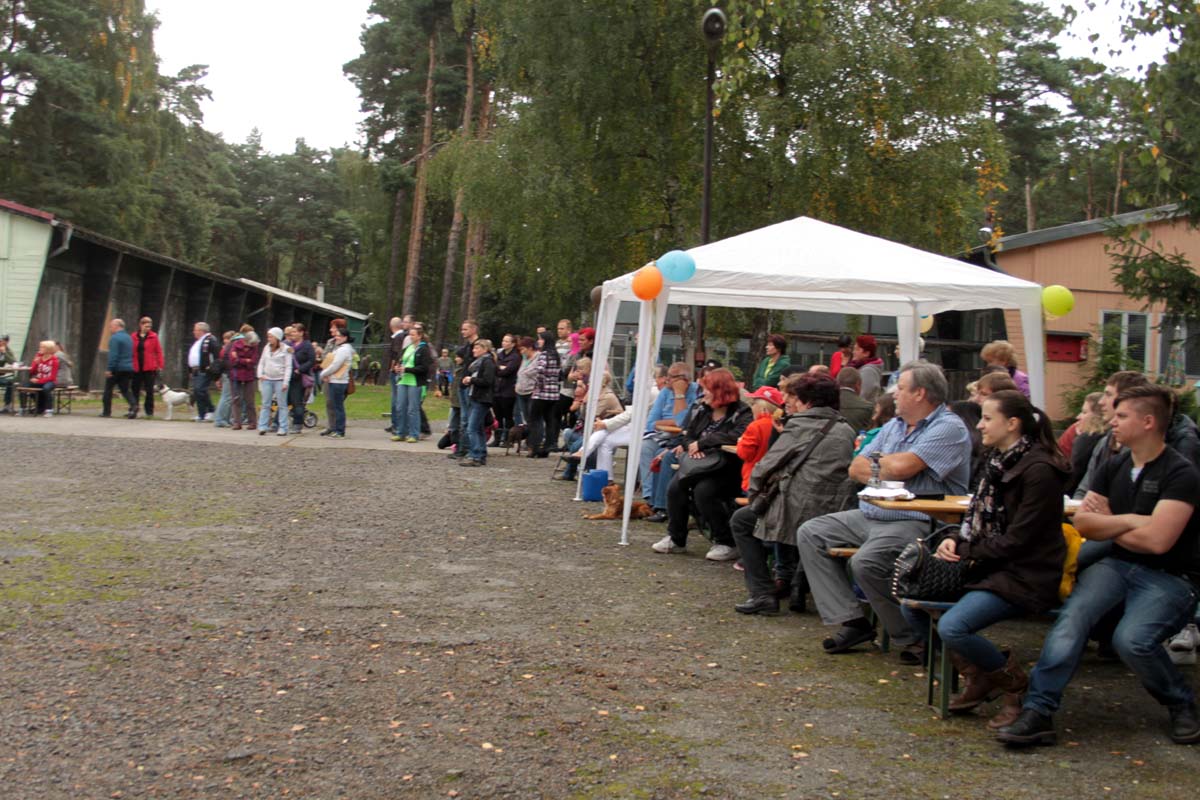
(805, 264)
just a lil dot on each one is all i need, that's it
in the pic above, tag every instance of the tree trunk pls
(760, 326)
(478, 245)
(687, 334)
(1116, 206)
(456, 224)
(412, 272)
(1030, 221)
(393, 272)
(469, 300)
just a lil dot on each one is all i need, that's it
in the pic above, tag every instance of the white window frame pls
(1150, 330)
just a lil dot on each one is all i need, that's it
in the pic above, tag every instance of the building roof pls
(1086, 228)
(299, 299)
(26, 211)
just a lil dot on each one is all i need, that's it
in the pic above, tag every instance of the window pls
(1187, 331)
(1135, 333)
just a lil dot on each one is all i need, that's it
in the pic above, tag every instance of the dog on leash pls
(173, 398)
(517, 435)
(614, 504)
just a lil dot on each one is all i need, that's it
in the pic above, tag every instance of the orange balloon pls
(647, 282)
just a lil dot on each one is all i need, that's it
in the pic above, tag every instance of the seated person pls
(607, 405)
(720, 419)
(670, 408)
(6, 378)
(928, 447)
(804, 476)
(885, 411)
(1012, 531)
(43, 373)
(1142, 502)
(765, 406)
(992, 382)
(610, 433)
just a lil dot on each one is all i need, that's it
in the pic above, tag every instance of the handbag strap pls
(799, 459)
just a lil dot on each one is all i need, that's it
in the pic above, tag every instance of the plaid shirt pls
(546, 383)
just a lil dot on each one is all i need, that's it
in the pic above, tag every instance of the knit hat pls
(276, 332)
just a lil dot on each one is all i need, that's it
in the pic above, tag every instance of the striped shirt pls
(942, 441)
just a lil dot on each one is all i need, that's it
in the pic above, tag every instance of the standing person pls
(120, 369)
(869, 365)
(204, 363)
(842, 356)
(7, 378)
(336, 377)
(543, 412)
(66, 367)
(508, 364)
(304, 358)
(409, 380)
(243, 369)
(326, 356)
(147, 361)
(445, 372)
(526, 380)
(463, 357)
(225, 401)
(565, 346)
(274, 374)
(771, 368)
(572, 377)
(480, 381)
(1012, 534)
(399, 335)
(43, 373)
(1142, 501)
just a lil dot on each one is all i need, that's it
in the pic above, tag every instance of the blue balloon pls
(677, 266)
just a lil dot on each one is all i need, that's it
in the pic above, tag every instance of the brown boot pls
(1013, 682)
(978, 687)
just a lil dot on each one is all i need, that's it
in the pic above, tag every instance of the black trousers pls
(543, 425)
(144, 382)
(295, 398)
(503, 407)
(711, 493)
(121, 381)
(754, 553)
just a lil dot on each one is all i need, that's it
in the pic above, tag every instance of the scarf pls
(986, 515)
(859, 363)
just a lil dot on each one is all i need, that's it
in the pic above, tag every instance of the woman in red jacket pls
(147, 361)
(43, 372)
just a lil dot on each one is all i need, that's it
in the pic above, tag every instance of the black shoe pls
(1031, 727)
(470, 462)
(1105, 650)
(657, 516)
(456, 455)
(388, 429)
(1185, 727)
(912, 655)
(326, 432)
(848, 637)
(797, 601)
(766, 604)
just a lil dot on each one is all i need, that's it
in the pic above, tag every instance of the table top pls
(952, 507)
(667, 427)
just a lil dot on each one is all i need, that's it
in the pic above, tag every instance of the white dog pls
(173, 398)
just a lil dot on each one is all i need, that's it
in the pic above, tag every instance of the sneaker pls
(336, 435)
(281, 433)
(1182, 658)
(326, 432)
(411, 440)
(470, 462)
(666, 545)
(207, 418)
(397, 438)
(721, 552)
(295, 432)
(48, 414)
(1186, 639)
(194, 419)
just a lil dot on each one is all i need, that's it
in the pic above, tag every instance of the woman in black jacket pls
(508, 363)
(721, 418)
(480, 381)
(1012, 534)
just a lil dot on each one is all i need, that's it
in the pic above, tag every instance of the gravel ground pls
(215, 620)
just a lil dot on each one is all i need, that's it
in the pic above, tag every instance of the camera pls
(713, 24)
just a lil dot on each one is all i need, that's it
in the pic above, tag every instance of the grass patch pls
(375, 402)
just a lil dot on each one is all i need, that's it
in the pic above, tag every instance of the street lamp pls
(713, 25)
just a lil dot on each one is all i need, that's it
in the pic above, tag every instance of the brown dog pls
(614, 503)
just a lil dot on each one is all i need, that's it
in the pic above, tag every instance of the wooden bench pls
(939, 669)
(64, 396)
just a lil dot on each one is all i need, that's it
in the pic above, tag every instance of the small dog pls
(517, 435)
(173, 398)
(614, 505)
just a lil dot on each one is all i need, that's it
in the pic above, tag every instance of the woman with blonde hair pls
(43, 373)
(1001, 353)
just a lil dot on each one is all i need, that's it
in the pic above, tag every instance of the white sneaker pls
(721, 552)
(665, 545)
(197, 419)
(281, 433)
(48, 414)
(1187, 639)
(207, 418)
(1182, 658)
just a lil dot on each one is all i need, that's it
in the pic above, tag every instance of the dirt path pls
(213, 620)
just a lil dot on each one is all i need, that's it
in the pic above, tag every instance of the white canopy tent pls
(807, 265)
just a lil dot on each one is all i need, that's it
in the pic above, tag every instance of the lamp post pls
(713, 25)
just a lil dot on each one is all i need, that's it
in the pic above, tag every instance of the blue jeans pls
(1157, 605)
(521, 410)
(224, 405)
(273, 390)
(200, 381)
(650, 448)
(662, 481)
(397, 412)
(337, 407)
(406, 413)
(975, 610)
(476, 437)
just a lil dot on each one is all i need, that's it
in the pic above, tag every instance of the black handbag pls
(693, 468)
(920, 575)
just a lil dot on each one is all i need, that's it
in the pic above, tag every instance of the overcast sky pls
(277, 64)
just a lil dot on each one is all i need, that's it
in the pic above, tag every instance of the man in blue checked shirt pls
(929, 448)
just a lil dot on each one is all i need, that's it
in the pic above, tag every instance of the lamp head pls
(714, 24)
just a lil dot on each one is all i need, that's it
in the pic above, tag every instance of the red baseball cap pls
(770, 394)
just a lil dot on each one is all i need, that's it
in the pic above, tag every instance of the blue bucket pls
(594, 482)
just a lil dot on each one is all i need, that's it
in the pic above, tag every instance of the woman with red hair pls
(870, 366)
(720, 418)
